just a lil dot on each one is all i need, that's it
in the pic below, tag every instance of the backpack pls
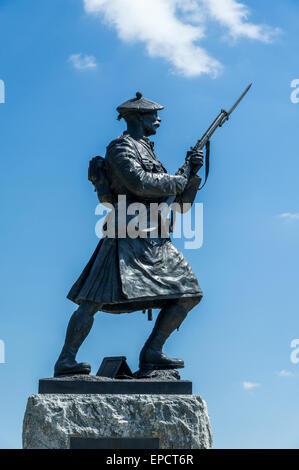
(98, 176)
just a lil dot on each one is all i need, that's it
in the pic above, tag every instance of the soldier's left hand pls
(196, 159)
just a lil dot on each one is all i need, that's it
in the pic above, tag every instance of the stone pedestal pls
(179, 421)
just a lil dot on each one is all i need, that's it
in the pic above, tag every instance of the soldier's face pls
(150, 121)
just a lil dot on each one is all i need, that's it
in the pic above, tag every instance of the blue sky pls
(65, 69)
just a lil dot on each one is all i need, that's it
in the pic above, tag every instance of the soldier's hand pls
(194, 182)
(93, 169)
(195, 158)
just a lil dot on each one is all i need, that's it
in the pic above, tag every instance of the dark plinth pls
(86, 384)
(113, 443)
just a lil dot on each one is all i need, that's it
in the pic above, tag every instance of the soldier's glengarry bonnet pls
(138, 104)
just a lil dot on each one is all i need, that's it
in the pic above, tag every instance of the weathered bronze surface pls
(130, 274)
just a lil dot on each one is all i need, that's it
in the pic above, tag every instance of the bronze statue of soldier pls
(128, 274)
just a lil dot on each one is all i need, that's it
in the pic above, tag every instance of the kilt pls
(126, 275)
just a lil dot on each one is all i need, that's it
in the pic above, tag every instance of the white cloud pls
(290, 215)
(285, 373)
(234, 15)
(172, 29)
(83, 62)
(250, 385)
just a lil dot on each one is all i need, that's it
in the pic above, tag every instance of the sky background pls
(66, 66)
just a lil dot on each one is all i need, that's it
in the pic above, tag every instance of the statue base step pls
(99, 412)
(81, 384)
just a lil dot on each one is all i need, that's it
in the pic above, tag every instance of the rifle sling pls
(207, 169)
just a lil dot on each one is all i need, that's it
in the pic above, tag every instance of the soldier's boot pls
(78, 328)
(168, 320)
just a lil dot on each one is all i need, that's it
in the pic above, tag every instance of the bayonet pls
(222, 117)
(219, 121)
(240, 99)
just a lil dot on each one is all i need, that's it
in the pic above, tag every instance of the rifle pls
(205, 142)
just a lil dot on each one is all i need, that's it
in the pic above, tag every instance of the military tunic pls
(130, 274)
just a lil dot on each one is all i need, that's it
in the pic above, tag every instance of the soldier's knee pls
(87, 308)
(188, 303)
(195, 301)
